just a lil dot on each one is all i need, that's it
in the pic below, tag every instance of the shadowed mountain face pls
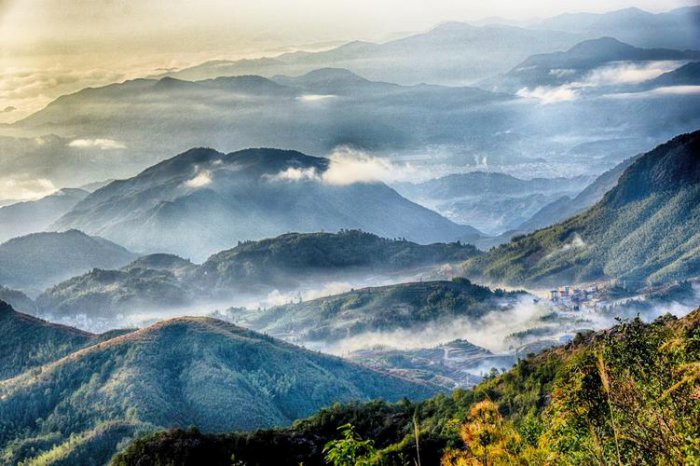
(203, 201)
(644, 231)
(28, 342)
(183, 372)
(39, 260)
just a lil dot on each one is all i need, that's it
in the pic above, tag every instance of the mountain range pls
(492, 202)
(203, 201)
(585, 65)
(642, 232)
(291, 262)
(182, 372)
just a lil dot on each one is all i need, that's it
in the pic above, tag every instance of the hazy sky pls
(50, 47)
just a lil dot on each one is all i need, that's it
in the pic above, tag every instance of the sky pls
(52, 47)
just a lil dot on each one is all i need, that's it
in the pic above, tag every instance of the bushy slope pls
(636, 384)
(203, 201)
(289, 259)
(42, 259)
(646, 230)
(402, 306)
(183, 372)
(28, 342)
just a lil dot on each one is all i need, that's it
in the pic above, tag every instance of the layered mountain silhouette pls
(182, 372)
(579, 63)
(494, 202)
(451, 53)
(204, 201)
(39, 260)
(28, 217)
(641, 233)
(286, 263)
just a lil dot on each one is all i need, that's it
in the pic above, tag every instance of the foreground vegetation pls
(629, 395)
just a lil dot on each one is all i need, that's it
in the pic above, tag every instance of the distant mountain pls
(28, 217)
(18, 300)
(686, 75)
(642, 232)
(287, 261)
(566, 207)
(179, 373)
(451, 54)
(579, 63)
(491, 202)
(403, 306)
(36, 261)
(675, 29)
(28, 342)
(203, 201)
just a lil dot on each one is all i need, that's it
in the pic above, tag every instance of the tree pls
(351, 450)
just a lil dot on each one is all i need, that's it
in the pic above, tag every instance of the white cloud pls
(202, 179)
(102, 144)
(549, 94)
(24, 187)
(315, 97)
(627, 73)
(296, 174)
(348, 166)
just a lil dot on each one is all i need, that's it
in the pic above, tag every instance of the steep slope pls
(566, 207)
(629, 393)
(184, 372)
(203, 201)
(42, 259)
(404, 306)
(644, 231)
(28, 217)
(28, 342)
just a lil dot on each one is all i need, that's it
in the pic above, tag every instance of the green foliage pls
(351, 450)
(624, 396)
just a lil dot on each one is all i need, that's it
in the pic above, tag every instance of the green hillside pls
(179, 373)
(385, 308)
(628, 395)
(644, 231)
(284, 260)
(28, 342)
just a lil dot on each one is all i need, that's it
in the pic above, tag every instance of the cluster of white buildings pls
(573, 298)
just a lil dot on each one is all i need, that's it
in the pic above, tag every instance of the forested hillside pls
(628, 395)
(644, 231)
